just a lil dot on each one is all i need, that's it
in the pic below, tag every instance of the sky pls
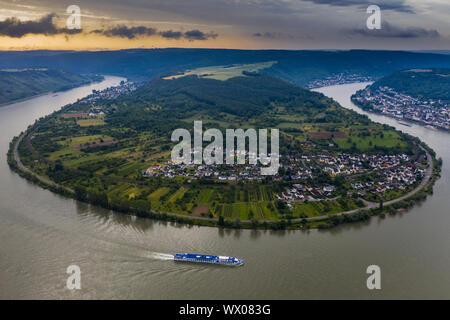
(235, 24)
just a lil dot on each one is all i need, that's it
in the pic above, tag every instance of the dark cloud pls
(141, 31)
(395, 5)
(169, 34)
(268, 35)
(277, 36)
(127, 32)
(390, 31)
(13, 27)
(272, 35)
(199, 35)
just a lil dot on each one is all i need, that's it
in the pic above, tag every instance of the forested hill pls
(23, 83)
(244, 101)
(299, 67)
(419, 83)
(244, 96)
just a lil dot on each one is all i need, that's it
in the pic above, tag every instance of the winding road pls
(26, 170)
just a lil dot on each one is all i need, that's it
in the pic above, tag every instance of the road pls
(25, 169)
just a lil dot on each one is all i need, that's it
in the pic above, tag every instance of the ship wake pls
(161, 256)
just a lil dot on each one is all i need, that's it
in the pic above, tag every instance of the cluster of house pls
(336, 79)
(391, 172)
(97, 111)
(397, 178)
(110, 93)
(391, 103)
(93, 112)
(300, 192)
(214, 172)
(341, 163)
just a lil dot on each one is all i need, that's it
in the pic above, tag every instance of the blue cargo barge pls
(205, 258)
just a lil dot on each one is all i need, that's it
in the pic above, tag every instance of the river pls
(42, 233)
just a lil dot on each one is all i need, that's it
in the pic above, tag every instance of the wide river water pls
(42, 233)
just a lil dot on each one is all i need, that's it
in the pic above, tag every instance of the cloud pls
(272, 35)
(268, 35)
(390, 31)
(127, 32)
(14, 28)
(141, 31)
(169, 34)
(394, 5)
(199, 35)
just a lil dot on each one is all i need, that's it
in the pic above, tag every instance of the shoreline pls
(418, 194)
(412, 121)
(364, 213)
(5, 104)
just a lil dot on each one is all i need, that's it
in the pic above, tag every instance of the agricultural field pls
(224, 72)
(384, 139)
(91, 122)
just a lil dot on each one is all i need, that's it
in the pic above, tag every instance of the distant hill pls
(18, 84)
(298, 67)
(242, 99)
(419, 83)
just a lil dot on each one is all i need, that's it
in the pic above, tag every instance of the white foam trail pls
(161, 256)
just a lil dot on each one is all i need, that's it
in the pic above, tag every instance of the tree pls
(80, 193)
(237, 223)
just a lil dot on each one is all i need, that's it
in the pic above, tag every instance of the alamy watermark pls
(374, 20)
(214, 153)
(374, 280)
(73, 22)
(74, 280)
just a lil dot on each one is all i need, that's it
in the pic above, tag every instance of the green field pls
(384, 138)
(98, 121)
(224, 72)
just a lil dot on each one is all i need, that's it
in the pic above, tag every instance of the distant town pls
(337, 79)
(110, 93)
(387, 101)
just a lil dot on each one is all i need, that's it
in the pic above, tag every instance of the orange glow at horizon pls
(99, 42)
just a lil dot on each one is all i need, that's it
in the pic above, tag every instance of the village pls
(387, 101)
(96, 111)
(337, 79)
(364, 174)
(110, 93)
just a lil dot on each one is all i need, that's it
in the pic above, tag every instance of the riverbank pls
(407, 120)
(404, 202)
(4, 104)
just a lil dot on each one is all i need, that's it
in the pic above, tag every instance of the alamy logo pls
(74, 280)
(74, 20)
(374, 280)
(214, 152)
(374, 20)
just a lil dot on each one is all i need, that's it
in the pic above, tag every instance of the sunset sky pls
(245, 24)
